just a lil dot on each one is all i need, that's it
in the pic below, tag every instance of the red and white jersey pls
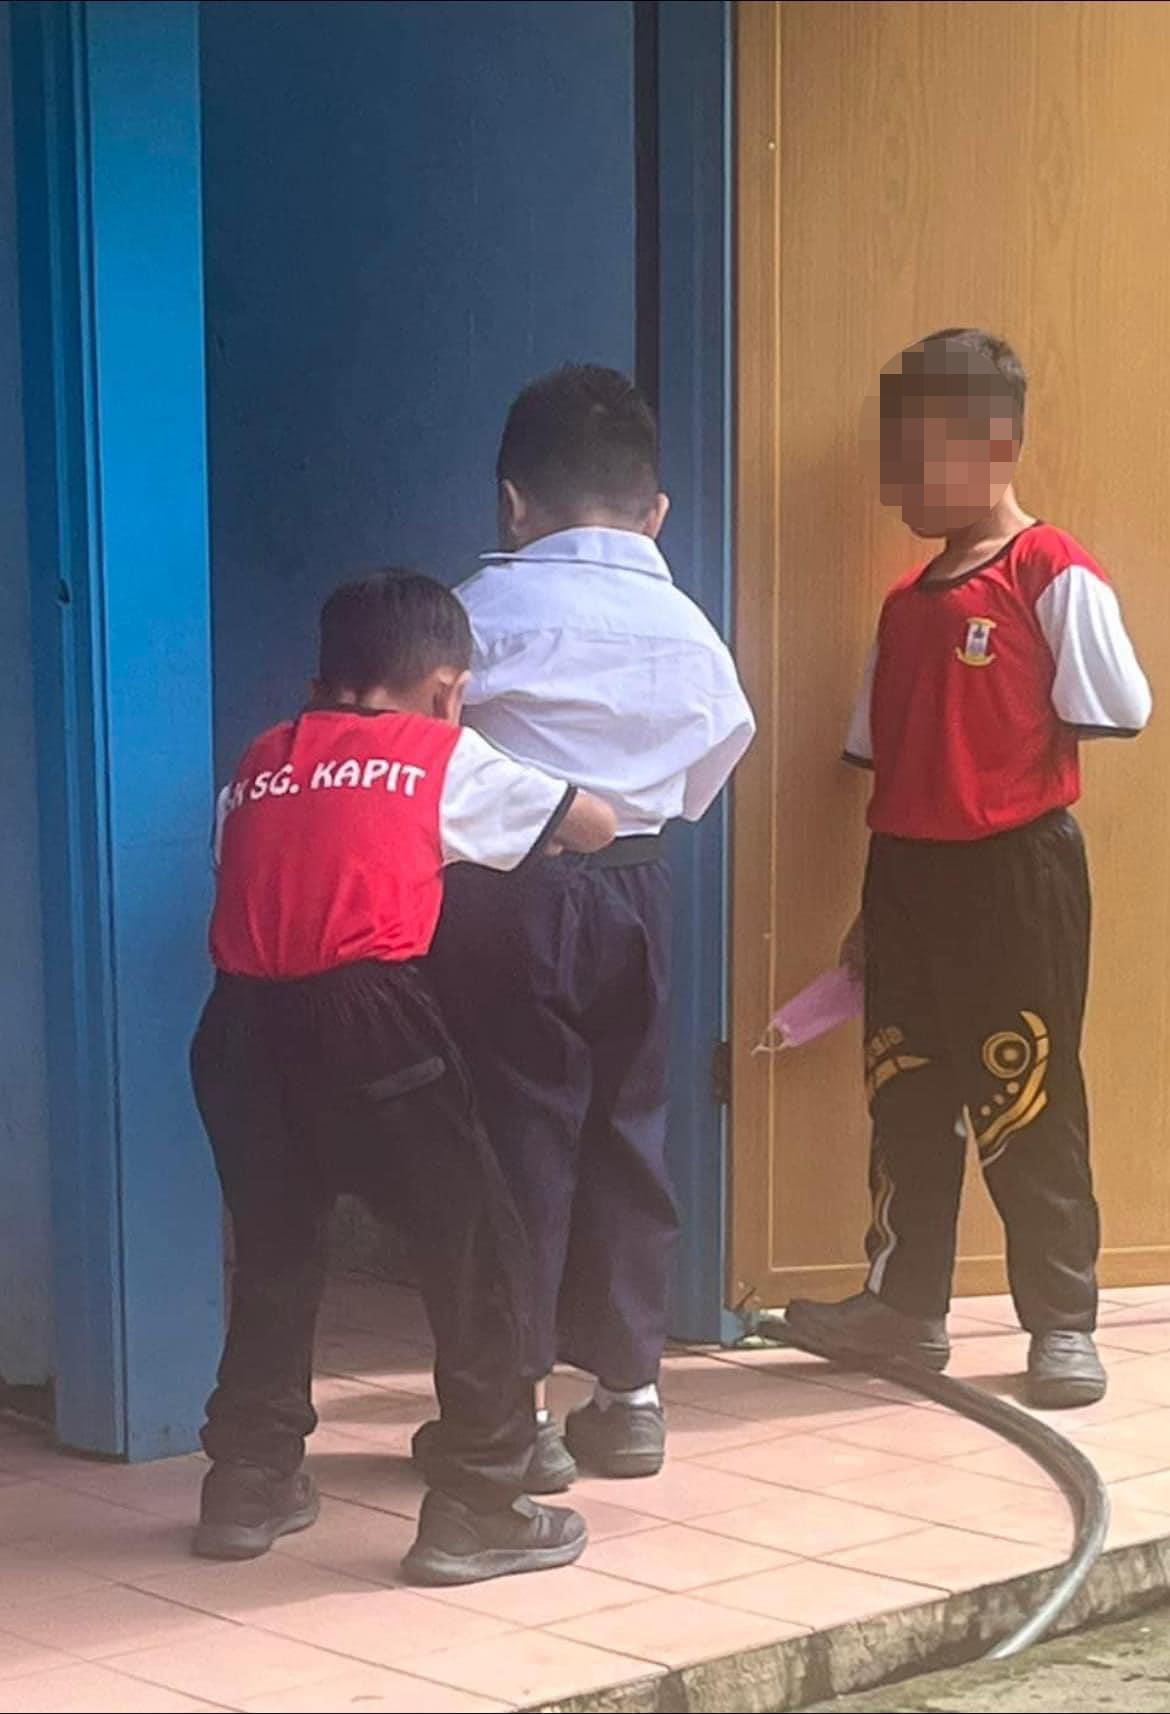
(332, 838)
(978, 690)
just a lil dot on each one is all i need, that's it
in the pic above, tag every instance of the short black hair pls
(391, 629)
(582, 439)
(961, 362)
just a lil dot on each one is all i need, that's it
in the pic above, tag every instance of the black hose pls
(1068, 1467)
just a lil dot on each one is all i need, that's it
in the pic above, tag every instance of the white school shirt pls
(591, 665)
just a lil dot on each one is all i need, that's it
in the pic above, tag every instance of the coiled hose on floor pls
(1068, 1467)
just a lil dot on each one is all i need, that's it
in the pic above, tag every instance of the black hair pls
(582, 439)
(390, 630)
(960, 362)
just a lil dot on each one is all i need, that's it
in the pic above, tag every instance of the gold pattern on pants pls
(1020, 1063)
(882, 1063)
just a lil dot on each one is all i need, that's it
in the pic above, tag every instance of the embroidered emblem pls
(976, 651)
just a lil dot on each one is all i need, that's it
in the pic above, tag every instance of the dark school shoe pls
(455, 1545)
(244, 1509)
(1064, 1371)
(864, 1326)
(551, 1469)
(620, 1441)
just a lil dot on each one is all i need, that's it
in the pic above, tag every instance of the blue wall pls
(409, 210)
(25, 1255)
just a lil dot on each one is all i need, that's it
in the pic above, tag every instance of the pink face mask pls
(833, 999)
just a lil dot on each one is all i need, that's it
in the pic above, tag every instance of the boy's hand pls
(852, 954)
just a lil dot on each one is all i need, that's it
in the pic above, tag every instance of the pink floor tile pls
(685, 1490)
(1150, 1492)
(241, 1590)
(913, 1433)
(27, 1575)
(1144, 1338)
(109, 1621)
(1113, 1464)
(949, 1497)
(794, 1407)
(694, 1432)
(373, 1690)
(168, 1489)
(18, 1657)
(807, 1524)
(998, 1358)
(678, 1559)
(529, 1666)
(354, 1540)
(348, 1469)
(676, 1631)
(1045, 1520)
(40, 1512)
(606, 1520)
(945, 1558)
(1147, 1433)
(247, 1663)
(381, 1628)
(818, 1595)
(86, 1688)
(810, 1461)
(545, 1597)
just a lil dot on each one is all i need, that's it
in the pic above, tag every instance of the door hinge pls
(721, 1073)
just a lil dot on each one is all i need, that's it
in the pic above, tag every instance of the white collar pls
(623, 550)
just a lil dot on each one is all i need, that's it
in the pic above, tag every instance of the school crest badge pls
(976, 651)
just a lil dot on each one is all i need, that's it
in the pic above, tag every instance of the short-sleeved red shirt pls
(979, 689)
(332, 838)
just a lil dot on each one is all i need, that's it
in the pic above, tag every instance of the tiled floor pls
(797, 1497)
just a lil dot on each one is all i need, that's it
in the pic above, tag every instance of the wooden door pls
(901, 168)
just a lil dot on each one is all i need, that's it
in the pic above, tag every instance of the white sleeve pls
(1099, 685)
(494, 811)
(859, 740)
(731, 726)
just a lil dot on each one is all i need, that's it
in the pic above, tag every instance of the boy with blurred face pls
(993, 661)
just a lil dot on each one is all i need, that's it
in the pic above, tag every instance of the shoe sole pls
(623, 1466)
(931, 1357)
(432, 1569)
(1064, 1395)
(234, 1541)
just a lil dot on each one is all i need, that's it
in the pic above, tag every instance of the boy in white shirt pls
(591, 663)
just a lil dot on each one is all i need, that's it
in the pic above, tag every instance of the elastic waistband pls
(629, 853)
(1051, 819)
(359, 974)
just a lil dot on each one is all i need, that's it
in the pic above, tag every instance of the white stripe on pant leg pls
(881, 1220)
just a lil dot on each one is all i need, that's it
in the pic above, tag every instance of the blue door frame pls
(694, 389)
(107, 146)
(108, 158)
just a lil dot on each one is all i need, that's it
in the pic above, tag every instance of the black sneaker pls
(864, 1326)
(456, 1545)
(551, 1469)
(1064, 1370)
(621, 1440)
(244, 1509)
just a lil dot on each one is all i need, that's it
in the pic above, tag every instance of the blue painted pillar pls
(108, 162)
(694, 310)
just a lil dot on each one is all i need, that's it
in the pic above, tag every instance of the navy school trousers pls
(554, 981)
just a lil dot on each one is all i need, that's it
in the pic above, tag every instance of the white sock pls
(543, 1418)
(603, 1397)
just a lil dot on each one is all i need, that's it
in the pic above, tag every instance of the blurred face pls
(941, 469)
(945, 442)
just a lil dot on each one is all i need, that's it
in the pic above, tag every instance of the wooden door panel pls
(904, 167)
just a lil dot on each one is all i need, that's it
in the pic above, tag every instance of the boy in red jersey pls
(322, 1063)
(992, 663)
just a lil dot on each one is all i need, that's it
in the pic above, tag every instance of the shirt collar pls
(621, 550)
